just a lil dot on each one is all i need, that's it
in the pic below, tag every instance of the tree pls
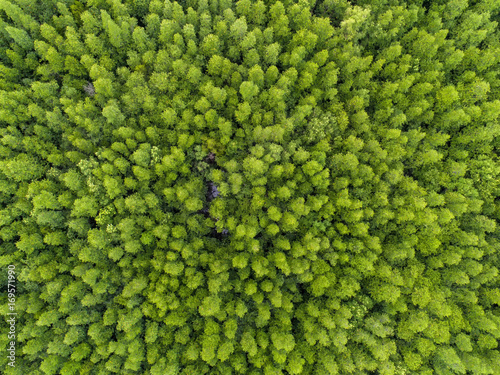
(448, 359)
(85, 207)
(225, 350)
(22, 168)
(248, 90)
(112, 112)
(248, 344)
(51, 364)
(115, 34)
(283, 341)
(210, 306)
(210, 45)
(21, 37)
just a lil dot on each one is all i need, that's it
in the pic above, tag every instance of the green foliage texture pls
(251, 187)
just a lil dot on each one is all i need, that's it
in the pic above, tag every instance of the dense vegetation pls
(251, 187)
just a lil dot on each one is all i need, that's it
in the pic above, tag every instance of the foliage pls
(251, 187)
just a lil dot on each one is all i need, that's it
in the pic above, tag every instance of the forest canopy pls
(251, 187)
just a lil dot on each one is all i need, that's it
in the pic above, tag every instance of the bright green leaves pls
(354, 23)
(281, 262)
(85, 207)
(343, 148)
(169, 116)
(22, 168)
(29, 242)
(289, 222)
(421, 296)
(279, 21)
(415, 323)
(272, 53)
(135, 287)
(225, 350)
(135, 204)
(283, 193)
(236, 181)
(21, 37)
(274, 213)
(240, 261)
(320, 126)
(219, 66)
(112, 113)
(98, 238)
(463, 342)
(211, 45)
(248, 344)
(142, 156)
(248, 90)
(243, 113)
(447, 358)
(253, 167)
(283, 341)
(193, 204)
(46, 200)
(115, 34)
(210, 306)
(259, 265)
(239, 29)
(142, 42)
(312, 167)
(384, 291)
(446, 97)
